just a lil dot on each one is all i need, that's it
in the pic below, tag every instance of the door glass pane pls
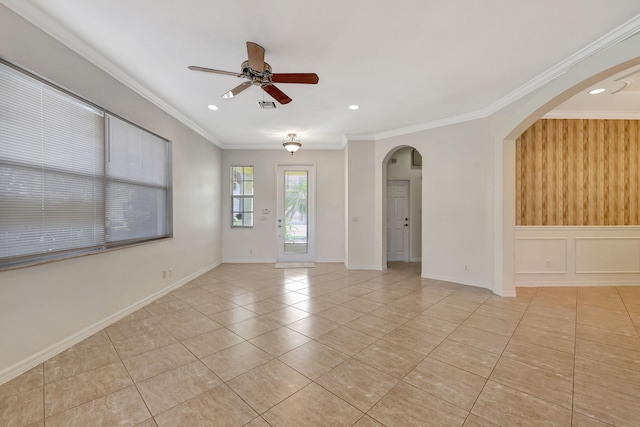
(295, 211)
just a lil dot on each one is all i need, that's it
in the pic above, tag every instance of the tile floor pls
(257, 346)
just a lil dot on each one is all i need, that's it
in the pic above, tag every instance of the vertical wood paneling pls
(578, 172)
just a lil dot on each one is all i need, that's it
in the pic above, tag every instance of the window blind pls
(51, 168)
(137, 183)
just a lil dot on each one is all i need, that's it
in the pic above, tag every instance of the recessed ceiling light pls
(353, 107)
(596, 91)
(212, 107)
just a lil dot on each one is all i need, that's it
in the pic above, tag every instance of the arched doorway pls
(402, 205)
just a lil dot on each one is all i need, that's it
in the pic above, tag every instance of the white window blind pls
(137, 183)
(51, 168)
(74, 178)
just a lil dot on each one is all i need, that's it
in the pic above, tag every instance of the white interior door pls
(295, 220)
(398, 220)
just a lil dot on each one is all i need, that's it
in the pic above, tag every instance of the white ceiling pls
(409, 64)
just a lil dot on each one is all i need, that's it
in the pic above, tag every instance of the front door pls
(295, 220)
(397, 220)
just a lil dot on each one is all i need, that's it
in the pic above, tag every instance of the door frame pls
(310, 255)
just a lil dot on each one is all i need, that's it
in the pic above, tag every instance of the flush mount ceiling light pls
(291, 143)
(596, 91)
(212, 107)
(353, 107)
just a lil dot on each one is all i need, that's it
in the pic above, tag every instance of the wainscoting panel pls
(541, 255)
(607, 255)
(577, 256)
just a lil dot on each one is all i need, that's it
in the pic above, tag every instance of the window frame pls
(242, 197)
(19, 261)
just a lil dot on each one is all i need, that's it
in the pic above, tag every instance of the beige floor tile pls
(549, 324)
(313, 326)
(367, 421)
(265, 306)
(313, 406)
(171, 388)
(235, 315)
(538, 382)
(313, 359)
(432, 325)
(181, 316)
(22, 408)
(340, 314)
(362, 304)
(291, 298)
(212, 307)
(522, 410)
(357, 383)
(211, 342)
(413, 339)
(471, 359)
(236, 360)
(267, 385)
(631, 342)
(99, 338)
(192, 328)
(287, 315)
(605, 353)
(556, 341)
(393, 314)
(258, 422)
(148, 423)
(555, 312)
(512, 304)
(580, 420)
(500, 312)
(406, 405)
(279, 341)
(31, 379)
(314, 305)
(608, 376)
(458, 303)
(346, 340)
(390, 359)
(491, 324)
(156, 362)
(133, 346)
(606, 405)
(475, 421)
(123, 407)
(121, 329)
(447, 382)
(217, 407)
(547, 358)
(447, 313)
(253, 327)
(72, 362)
(162, 307)
(372, 325)
(73, 391)
(481, 339)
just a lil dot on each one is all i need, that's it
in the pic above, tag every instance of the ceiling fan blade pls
(256, 56)
(211, 70)
(305, 78)
(277, 94)
(236, 90)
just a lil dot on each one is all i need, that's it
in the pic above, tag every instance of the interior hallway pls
(247, 344)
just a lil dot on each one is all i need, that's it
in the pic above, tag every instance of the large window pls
(242, 196)
(74, 178)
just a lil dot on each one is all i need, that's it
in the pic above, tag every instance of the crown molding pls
(37, 17)
(619, 34)
(606, 115)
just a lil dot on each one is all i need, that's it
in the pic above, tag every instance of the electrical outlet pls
(548, 263)
(250, 251)
(164, 274)
(466, 267)
(170, 272)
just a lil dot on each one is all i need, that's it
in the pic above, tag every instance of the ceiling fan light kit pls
(291, 143)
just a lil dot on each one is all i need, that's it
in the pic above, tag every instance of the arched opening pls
(506, 266)
(402, 206)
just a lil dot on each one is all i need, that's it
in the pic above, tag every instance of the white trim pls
(575, 249)
(34, 360)
(365, 267)
(566, 256)
(540, 284)
(250, 261)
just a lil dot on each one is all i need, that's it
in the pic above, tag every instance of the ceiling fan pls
(259, 73)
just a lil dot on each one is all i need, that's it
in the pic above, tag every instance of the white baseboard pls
(23, 366)
(249, 261)
(365, 267)
(540, 284)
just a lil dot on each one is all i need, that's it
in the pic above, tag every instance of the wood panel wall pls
(578, 172)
